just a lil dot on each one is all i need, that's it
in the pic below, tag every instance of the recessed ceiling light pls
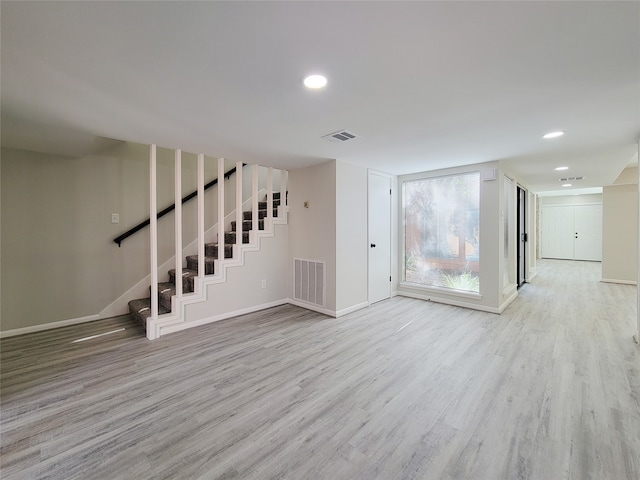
(315, 81)
(566, 184)
(553, 135)
(561, 168)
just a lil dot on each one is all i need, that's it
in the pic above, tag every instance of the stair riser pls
(164, 295)
(187, 282)
(261, 214)
(192, 264)
(230, 237)
(247, 225)
(211, 250)
(264, 206)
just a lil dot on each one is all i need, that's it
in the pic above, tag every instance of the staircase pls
(140, 309)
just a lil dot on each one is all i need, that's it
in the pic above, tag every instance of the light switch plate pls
(115, 218)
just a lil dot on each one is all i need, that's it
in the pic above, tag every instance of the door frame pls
(522, 234)
(370, 239)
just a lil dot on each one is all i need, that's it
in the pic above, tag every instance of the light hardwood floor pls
(403, 389)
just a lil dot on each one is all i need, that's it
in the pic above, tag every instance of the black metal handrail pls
(170, 208)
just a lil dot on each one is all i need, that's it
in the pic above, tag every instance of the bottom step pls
(140, 310)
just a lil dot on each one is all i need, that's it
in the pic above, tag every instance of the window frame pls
(419, 288)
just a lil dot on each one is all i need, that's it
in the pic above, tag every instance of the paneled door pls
(379, 192)
(587, 221)
(572, 232)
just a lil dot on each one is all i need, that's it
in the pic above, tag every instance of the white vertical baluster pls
(153, 231)
(239, 216)
(220, 210)
(254, 202)
(269, 218)
(178, 219)
(200, 215)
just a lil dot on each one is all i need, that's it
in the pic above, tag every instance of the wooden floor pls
(403, 389)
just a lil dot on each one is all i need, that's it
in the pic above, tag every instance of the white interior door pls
(572, 232)
(379, 237)
(588, 232)
(557, 232)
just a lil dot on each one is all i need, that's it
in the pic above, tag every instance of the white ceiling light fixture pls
(561, 168)
(553, 135)
(315, 81)
(566, 185)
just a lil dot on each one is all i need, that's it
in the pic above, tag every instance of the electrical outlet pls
(115, 218)
(264, 284)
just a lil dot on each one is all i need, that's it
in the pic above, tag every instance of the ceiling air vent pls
(340, 136)
(566, 179)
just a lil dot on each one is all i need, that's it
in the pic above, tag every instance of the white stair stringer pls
(175, 321)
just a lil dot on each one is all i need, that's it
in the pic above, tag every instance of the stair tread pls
(207, 258)
(143, 307)
(165, 287)
(186, 272)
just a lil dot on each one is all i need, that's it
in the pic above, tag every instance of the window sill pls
(440, 291)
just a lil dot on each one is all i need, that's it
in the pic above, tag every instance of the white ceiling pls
(426, 85)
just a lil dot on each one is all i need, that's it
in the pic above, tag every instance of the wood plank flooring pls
(405, 389)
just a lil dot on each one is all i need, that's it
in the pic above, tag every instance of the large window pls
(442, 231)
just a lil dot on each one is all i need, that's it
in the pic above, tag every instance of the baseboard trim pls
(508, 301)
(176, 327)
(353, 308)
(50, 326)
(309, 306)
(455, 303)
(622, 282)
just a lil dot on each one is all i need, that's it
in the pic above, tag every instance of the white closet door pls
(588, 229)
(572, 232)
(379, 237)
(557, 235)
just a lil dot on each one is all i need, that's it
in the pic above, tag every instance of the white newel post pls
(200, 215)
(239, 217)
(178, 220)
(254, 203)
(268, 221)
(153, 231)
(221, 212)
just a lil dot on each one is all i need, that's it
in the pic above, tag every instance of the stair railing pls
(200, 239)
(170, 208)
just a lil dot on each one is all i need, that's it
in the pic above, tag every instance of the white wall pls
(59, 261)
(620, 229)
(312, 231)
(351, 236)
(243, 287)
(571, 200)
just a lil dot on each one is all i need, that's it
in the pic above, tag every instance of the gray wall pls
(620, 229)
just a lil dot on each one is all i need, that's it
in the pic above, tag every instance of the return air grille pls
(309, 281)
(340, 136)
(566, 179)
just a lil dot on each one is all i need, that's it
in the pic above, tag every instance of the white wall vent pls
(309, 282)
(340, 136)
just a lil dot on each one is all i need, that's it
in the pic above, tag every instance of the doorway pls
(379, 192)
(572, 232)
(522, 236)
